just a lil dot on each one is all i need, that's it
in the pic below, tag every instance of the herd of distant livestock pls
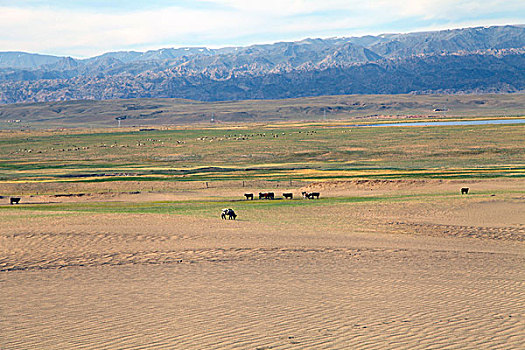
(230, 213)
(286, 195)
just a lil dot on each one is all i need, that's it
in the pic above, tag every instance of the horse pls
(248, 196)
(14, 200)
(464, 190)
(288, 195)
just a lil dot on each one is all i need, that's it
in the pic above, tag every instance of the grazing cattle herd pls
(286, 195)
(289, 195)
(266, 195)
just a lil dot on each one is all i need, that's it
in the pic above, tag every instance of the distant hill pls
(483, 59)
(157, 111)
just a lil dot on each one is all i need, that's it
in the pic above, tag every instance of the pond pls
(441, 123)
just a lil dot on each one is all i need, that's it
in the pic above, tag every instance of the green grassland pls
(278, 152)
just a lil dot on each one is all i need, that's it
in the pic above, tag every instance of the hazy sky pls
(83, 28)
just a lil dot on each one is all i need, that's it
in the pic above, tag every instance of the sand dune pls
(299, 299)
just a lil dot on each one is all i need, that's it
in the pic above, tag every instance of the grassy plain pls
(301, 152)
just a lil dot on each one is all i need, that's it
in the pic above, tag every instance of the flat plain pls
(118, 243)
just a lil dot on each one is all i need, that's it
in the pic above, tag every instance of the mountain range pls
(469, 60)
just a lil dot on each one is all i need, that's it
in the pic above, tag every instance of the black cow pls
(464, 190)
(248, 196)
(288, 195)
(266, 195)
(310, 195)
(14, 200)
(231, 214)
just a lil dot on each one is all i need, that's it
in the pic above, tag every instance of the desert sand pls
(429, 272)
